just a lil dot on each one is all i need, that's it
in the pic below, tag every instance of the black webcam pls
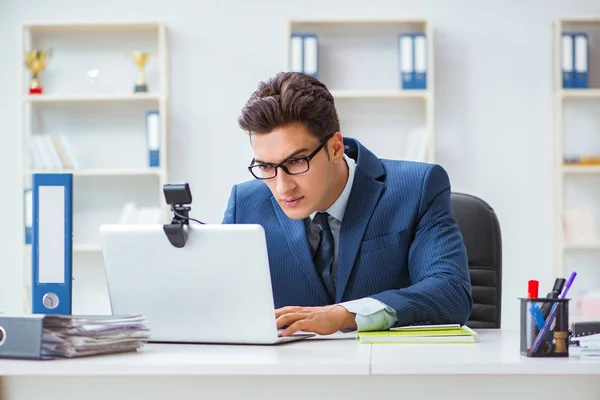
(179, 196)
(177, 193)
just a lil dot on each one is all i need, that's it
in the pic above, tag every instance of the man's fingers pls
(288, 319)
(286, 310)
(295, 327)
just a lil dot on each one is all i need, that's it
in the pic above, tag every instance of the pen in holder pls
(544, 327)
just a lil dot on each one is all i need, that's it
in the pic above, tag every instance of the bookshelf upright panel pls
(576, 170)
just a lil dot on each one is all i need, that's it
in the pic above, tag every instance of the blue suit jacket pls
(398, 242)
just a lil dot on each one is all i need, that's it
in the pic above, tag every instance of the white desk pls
(312, 369)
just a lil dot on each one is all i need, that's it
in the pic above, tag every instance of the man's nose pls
(285, 183)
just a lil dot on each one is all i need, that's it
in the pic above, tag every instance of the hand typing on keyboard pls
(321, 320)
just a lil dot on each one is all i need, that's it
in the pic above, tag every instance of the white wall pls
(493, 108)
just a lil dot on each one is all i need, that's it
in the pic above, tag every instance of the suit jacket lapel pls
(297, 239)
(361, 203)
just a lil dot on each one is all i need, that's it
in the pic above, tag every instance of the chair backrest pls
(480, 228)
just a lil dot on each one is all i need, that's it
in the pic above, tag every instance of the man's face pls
(298, 195)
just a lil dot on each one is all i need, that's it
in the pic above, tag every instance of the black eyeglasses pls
(291, 166)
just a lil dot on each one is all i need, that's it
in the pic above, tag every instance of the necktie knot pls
(322, 219)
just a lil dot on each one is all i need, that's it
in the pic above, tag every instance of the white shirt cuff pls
(371, 314)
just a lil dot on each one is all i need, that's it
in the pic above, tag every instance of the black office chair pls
(480, 228)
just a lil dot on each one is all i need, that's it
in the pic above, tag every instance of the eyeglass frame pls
(284, 168)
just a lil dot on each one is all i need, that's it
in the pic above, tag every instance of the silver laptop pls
(216, 289)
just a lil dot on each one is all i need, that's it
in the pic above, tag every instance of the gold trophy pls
(36, 61)
(140, 59)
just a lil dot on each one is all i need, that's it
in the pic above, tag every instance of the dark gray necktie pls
(323, 258)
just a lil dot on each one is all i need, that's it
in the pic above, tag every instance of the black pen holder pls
(544, 327)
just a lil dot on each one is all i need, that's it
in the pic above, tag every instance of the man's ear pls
(336, 147)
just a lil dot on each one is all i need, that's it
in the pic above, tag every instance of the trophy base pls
(35, 90)
(140, 88)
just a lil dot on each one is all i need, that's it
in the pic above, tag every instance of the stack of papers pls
(452, 333)
(74, 336)
(588, 346)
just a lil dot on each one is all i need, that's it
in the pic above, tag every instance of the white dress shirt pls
(371, 314)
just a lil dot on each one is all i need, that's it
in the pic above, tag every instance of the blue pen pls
(538, 340)
(536, 313)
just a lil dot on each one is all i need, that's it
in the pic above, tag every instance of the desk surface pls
(496, 353)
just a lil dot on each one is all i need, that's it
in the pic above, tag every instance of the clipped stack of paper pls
(423, 334)
(588, 346)
(74, 336)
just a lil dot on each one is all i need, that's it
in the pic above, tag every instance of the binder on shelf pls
(567, 61)
(406, 55)
(420, 60)
(304, 53)
(153, 138)
(28, 217)
(52, 244)
(581, 65)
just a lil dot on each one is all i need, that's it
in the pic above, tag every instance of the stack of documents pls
(70, 336)
(588, 346)
(452, 333)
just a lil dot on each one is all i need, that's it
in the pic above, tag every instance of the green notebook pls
(421, 334)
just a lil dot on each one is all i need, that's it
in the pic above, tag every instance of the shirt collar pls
(338, 208)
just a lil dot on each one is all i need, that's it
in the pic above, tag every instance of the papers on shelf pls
(75, 336)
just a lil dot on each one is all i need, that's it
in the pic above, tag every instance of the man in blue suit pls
(354, 241)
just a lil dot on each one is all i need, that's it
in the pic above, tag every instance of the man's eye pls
(265, 167)
(295, 162)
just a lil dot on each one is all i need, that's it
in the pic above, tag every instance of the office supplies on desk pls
(585, 328)
(420, 334)
(553, 294)
(555, 339)
(559, 320)
(533, 288)
(41, 337)
(52, 243)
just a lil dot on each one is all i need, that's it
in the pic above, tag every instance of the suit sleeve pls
(440, 290)
(229, 217)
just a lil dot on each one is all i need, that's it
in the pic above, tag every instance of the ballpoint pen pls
(556, 289)
(546, 327)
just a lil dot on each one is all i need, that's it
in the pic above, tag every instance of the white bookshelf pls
(104, 121)
(358, 61)
(576, 131)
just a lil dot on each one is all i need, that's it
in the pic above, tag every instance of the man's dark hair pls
(288, 98)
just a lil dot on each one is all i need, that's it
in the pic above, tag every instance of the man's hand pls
(321, 320)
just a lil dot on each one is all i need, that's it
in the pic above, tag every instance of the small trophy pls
(140, 58)
(36, 61)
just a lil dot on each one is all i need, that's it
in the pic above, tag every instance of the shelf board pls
(580, 20)
(581, 169)
(357, 20)
(79, 248)
(87, 248)
(380, 94)
(101, 172)
(45, 98)
(92, 26)
(580, 93)
(582, 246)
